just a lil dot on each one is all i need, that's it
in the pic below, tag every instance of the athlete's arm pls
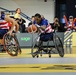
(17, 26)
(14, 23)
(43, 27)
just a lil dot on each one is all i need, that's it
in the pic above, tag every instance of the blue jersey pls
(43, 22)
(48, 28)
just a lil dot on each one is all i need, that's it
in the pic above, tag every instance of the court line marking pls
(38, 68)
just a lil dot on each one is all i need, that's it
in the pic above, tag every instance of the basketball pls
(32, 28)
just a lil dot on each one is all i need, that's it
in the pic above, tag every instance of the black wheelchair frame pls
(10, 44)
(38, 48)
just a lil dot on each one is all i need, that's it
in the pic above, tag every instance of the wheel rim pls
(10, 45)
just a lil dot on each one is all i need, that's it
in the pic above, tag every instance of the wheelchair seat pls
(45, 37)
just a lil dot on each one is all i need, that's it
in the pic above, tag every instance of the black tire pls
(10, 44)
(59, 45)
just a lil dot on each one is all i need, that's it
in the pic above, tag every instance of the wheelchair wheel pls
(35, 48)
(58, 45)
(10, 44)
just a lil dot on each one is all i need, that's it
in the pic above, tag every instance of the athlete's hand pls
(9, 32)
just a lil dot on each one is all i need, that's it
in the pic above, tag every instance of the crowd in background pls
(70, 24)
(56, 25)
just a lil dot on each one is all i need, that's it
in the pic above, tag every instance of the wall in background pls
(30, 7)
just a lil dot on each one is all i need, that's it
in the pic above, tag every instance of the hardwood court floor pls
(24, 63)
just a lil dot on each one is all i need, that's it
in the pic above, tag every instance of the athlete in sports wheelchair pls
(8, 39)
(46, 35)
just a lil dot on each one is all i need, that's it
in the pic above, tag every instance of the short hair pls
(37, 15)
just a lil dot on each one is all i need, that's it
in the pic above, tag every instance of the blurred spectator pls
(57, 26)
(32, 21)
(17, 14)
(70, 25)
(20, 20)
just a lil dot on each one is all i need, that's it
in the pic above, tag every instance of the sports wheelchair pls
(39, 48)
(10, 44)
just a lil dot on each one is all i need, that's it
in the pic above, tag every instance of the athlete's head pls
(38, 18)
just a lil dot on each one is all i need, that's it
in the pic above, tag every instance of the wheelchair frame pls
(48, 49)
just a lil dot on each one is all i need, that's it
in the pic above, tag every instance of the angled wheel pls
(59, 45)
(10, 44)
(34, 50)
